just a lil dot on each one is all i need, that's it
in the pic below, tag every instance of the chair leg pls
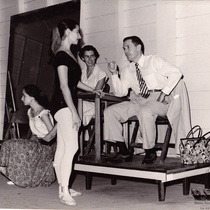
(134, 135)
(8, 131)
(165, 144)
(90, 141)
(108, 147)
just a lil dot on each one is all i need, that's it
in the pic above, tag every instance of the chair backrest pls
(106, 88)
(17, 125)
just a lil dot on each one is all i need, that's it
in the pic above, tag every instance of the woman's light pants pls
(67, 146)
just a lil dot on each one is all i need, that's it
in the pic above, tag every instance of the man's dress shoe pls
(207, 193)
(197, 194)
(119, 158)
(150, 157)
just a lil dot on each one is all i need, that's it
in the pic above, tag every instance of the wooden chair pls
(14, 117)
(91, 126)
(158, 146)
(91, 132)
(17, 119)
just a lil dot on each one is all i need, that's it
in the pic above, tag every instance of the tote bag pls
(195, 148)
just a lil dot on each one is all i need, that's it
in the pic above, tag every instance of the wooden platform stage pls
(170, 170)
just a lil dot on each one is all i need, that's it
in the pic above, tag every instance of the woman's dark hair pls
(88, 48)
(136, 41)
(38, 94)
(59, 32)
(66, 24)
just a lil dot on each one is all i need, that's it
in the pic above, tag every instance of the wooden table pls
(105, 98)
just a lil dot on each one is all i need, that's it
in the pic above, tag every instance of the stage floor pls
(165, 172)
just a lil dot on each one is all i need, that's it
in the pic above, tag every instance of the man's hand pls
(112, 66)
(161, 98)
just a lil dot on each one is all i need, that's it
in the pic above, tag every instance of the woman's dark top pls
(74, 75)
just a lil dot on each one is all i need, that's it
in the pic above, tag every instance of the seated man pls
(151, 78)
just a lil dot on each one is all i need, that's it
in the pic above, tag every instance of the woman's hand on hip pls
(76, 121)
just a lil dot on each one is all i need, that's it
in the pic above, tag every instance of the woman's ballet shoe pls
(197, 194)
(207, 193)
(68, 200)
(74, 193)
(10, 183)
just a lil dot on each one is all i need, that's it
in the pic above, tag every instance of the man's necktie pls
(142, 84)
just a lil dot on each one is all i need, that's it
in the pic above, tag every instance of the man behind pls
(152, 79)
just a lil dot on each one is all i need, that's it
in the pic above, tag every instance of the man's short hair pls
(136, 41)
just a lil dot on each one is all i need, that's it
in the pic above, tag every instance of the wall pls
(193, 56)
(177, 30)
(7, 9)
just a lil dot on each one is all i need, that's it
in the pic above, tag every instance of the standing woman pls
(64, 101)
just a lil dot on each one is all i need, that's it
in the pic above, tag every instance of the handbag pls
(195, 148)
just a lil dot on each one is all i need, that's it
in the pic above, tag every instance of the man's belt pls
(154, 90)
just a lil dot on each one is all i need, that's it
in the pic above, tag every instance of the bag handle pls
(208, 138)
(203, 138)
(193, 130)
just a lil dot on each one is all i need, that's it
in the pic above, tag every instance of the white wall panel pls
(145, 32)
(3, 70)
(97, 8)
(150, 47)
(4, 40)
(193, 44)
(135, 4)
(5, 27)
(193, 53)
(140, 16)
(192, 8)
(201, 117)
(53, 2)
(35, 4)
(190, 63)
(7, 3)
(198, 81)
(94, 25)
(101, 39)
(192, 26)
(2, 108)
(166, 30)
(197, 100)
(5, 13)
(4, 53)
(3, 77)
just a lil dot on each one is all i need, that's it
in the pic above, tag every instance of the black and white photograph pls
(105, 104)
